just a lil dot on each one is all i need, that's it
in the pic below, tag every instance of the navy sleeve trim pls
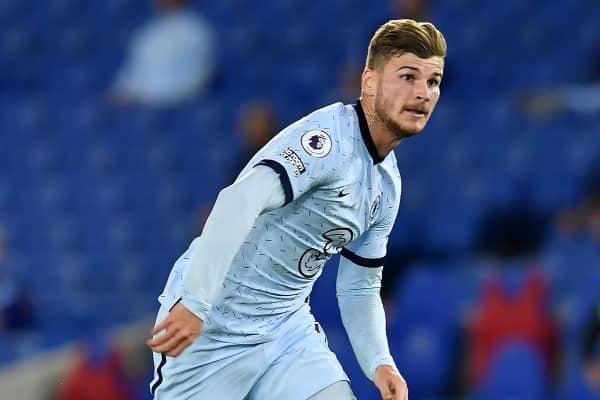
(174, 304)
(283, 177)
(362, 261)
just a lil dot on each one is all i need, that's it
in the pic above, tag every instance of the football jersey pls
(339, 197)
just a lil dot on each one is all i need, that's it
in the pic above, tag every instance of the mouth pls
(416, 112)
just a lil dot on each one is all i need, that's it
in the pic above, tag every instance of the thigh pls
(208, 369)
(159, 359)
(338, 391)
(305, 366)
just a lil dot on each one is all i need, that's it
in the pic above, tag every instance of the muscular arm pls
(230, 221)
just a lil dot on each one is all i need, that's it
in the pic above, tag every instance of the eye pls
(433, 83)
(408, 77)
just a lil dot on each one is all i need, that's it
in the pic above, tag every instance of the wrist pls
(386, 362)
(386, 370)
(388, 367)
(196, 306)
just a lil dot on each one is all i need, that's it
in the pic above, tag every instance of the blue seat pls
(424, 330)
(575, 386)
(516, 372)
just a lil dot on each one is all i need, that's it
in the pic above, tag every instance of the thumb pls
(160, 326)
(386, 395)
(384, 390)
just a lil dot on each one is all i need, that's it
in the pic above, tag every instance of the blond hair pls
(399, 36)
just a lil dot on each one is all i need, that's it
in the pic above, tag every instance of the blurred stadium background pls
(494, 270)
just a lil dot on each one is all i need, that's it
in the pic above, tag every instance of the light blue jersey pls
(339, 197)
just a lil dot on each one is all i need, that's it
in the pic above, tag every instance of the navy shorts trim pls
(163, 361)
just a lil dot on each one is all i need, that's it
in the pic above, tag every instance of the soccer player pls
(234, 321)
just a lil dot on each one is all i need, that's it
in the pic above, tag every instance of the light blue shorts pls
(294, 366)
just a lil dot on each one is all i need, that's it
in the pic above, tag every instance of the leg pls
(159, 359)
(338, 391)
(301, 365)
(207, 370)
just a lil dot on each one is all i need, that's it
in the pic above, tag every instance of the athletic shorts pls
(294, 366)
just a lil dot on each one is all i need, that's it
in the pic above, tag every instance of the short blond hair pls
(399, 36)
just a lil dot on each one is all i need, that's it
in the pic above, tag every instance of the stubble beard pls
(393, 127)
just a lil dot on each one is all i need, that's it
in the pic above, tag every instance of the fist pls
(181, 328)
(390, 383)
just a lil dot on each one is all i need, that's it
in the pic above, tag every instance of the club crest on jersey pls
(316, 143)
(374, 208)
(293, 158)
(313, 260)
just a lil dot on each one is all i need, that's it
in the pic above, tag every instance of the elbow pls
(225, 193)
(228, 195)
(235, 200)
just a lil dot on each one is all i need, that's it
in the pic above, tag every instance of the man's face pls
(407, 90)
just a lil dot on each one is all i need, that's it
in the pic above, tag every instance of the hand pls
(181, 329)
(390, 383)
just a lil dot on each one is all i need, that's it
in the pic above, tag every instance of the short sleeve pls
(306, 154)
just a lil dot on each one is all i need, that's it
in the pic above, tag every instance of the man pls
(256, 124)
(328, 183)
(170, 60)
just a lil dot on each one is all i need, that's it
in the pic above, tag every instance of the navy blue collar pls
(366, 133)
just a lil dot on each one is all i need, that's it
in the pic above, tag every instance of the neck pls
(384, 140)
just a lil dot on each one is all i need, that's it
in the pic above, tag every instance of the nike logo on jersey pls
(343, 194)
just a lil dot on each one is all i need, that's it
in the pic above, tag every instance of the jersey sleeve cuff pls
(385, 360)
(198, 307)
(362, 261)
(283, 177)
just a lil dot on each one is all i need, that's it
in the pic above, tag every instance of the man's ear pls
(368, 82)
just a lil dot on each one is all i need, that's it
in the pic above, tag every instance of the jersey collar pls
(366, 133)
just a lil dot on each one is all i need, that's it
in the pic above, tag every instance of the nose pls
(421, 92)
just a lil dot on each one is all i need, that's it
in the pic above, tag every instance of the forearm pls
(363, 315)
(364, 321)
(229, 223)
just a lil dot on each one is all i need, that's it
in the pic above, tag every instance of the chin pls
(411, 129)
